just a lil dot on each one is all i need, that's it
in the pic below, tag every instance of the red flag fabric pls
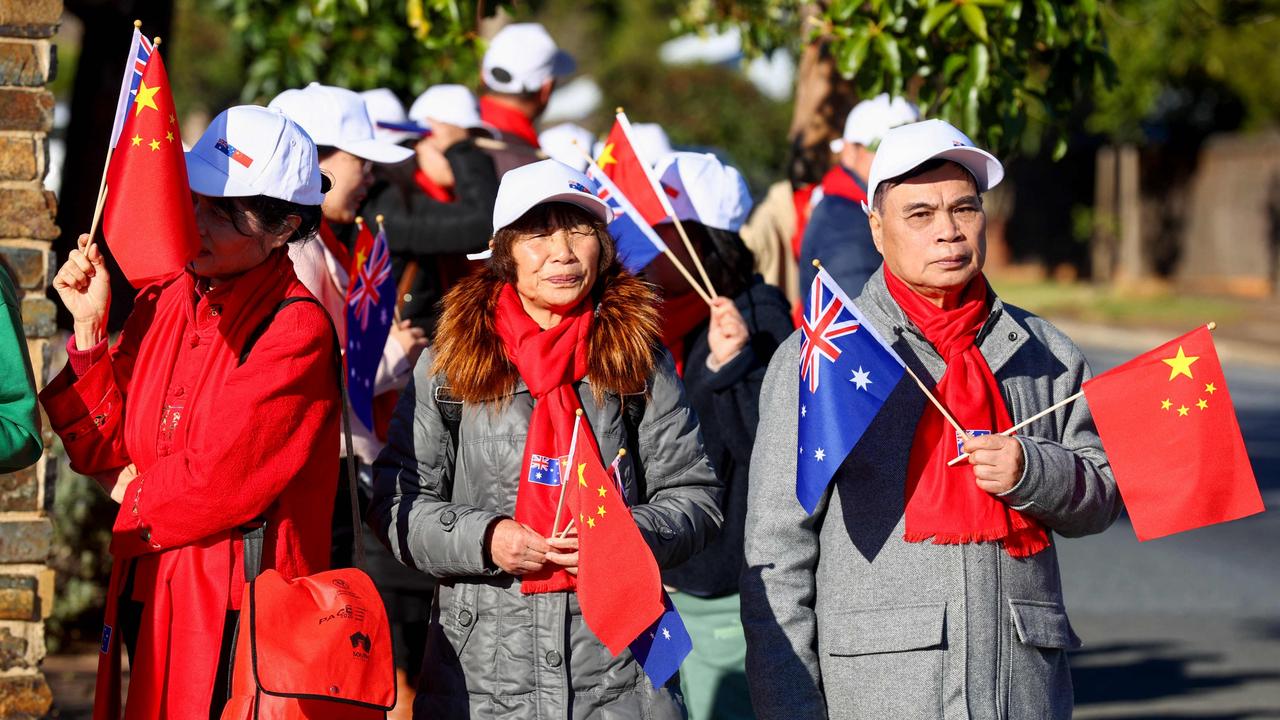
(619, 587)
(1170, 431)
(148, 220)
(619, 161)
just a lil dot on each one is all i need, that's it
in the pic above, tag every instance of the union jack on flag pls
(821, 325)
(140, 50)
(545, 470)
(371, 306)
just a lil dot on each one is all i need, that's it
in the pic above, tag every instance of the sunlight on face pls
(555, 270)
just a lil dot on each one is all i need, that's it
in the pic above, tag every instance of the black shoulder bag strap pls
(255, 532)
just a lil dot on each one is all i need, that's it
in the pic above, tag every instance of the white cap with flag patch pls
(521, 57)
(337, 117)
(545, 181)
(250, 150)
(907, 147)
(704, 190)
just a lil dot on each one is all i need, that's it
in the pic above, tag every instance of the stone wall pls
(27, 64)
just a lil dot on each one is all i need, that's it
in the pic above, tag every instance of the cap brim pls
(377, 151)
(986, 169)
(212, 181)
(562, 64)
(590, 203)
(482, 255)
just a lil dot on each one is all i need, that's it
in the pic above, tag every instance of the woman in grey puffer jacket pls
(446, 485)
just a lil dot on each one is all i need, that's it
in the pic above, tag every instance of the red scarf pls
(436, 192)
(944, 503)
(549, 361)
(680, 315)
(508, 120)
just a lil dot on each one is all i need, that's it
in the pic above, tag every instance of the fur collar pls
(622, 348)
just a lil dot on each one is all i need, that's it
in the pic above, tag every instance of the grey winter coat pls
(845, 619)
(492, 652)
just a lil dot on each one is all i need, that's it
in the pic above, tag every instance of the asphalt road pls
(1186, 626)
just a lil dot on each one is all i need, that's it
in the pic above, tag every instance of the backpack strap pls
(255, 532)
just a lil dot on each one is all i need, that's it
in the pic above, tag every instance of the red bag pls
(316, 647)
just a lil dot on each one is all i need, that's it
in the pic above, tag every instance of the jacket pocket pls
(885, 662)
(1039, 680)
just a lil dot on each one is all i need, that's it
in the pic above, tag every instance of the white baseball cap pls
(337, 117)
(704, 190)
(651, 142)
(385, 107)
(545, 181)
(567, 143)
(521, 57)
(869, 120)
(907, 147)
(248, 151)
(451, 104)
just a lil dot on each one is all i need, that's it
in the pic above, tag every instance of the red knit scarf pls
(945, 503)
(508, 120)
(680, 315)
(549, 361)
(431, 188)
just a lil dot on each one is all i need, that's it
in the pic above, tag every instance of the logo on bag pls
(347, 612)
(360, 644)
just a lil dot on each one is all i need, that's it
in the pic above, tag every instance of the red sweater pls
(216, 444)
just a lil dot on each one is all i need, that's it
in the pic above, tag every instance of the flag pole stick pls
(622, 119)
(565, 476)
(102, 184)
(1065, 401)
(684, 271)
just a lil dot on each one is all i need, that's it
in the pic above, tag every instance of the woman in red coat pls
(191, 437)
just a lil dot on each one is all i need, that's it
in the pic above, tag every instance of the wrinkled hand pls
(126, 476)
(566, 551)
(413, 339)
(727, 333)
(516, 548)
(84, 286)
(997, 462)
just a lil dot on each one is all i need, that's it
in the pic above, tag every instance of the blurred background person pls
(722, 354)
(519, 72)
(568, 143)
(386, 109)
(20, 442)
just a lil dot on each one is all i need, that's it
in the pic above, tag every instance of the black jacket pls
(727, 405)
(839, 235)
(425, 230)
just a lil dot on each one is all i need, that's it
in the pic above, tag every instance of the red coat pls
(216, 445)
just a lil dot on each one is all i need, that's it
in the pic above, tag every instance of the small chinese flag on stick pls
(1170, 431)
(619, 586)
(148, 220)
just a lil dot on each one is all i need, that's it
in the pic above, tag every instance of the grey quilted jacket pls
(492, 652)
(844, 619)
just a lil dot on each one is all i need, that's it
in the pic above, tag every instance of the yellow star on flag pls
(168, 136)
(1209, 388)
(1183, 410)
(155, 144)
(146, 98)
(606, 157)
(1202, 404)
(582, 467)
(1165, 404)
(600, 511)
(171, 119)
(1180, 364)
(601, 490)
(137, 139)
(360, 256)
(591, 522)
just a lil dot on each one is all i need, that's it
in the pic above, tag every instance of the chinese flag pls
(619, 587)
(619, 161)
(1170, 432)
(148, 220)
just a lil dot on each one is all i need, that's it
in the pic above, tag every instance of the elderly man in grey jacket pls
(918, 589)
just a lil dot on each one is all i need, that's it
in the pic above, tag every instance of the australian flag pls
(371, 304)
(544, 470)
(637, 243)
(663, 647)
(846, 373)
(140, 50)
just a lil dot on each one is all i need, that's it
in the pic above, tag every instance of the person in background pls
(519, 72)
(568, 143)
(195, 429)
(773, 232)
(837, 233)
(721, 355)
(20, 441)
(337, 120)
(385, 108)
(918, 589)
(552, 324)
(437, 206)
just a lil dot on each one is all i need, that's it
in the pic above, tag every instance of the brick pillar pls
(27, 64)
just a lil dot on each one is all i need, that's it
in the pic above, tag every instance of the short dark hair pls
(271, 213)
(729, 264)
(550, 216)
(877, 202)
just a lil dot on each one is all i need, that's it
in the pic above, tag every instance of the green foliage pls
(991, 67)
(1169, 56)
